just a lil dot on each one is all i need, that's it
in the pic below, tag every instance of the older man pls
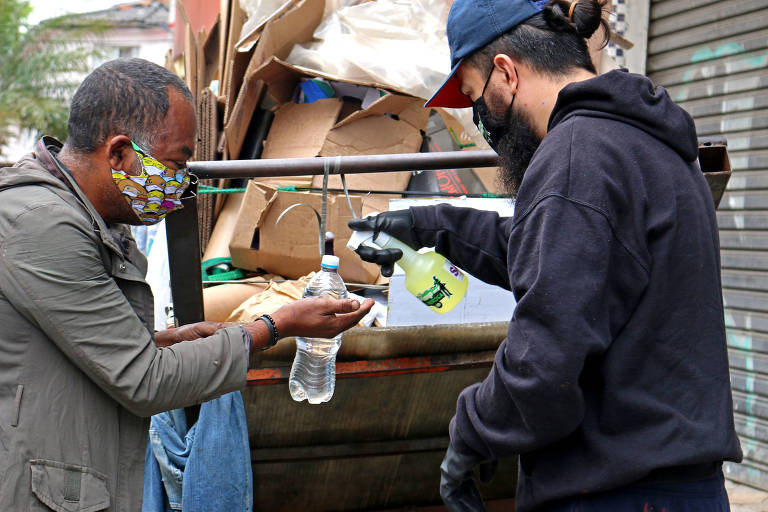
(80, 367)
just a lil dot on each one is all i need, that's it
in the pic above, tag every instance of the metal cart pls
(378, 444)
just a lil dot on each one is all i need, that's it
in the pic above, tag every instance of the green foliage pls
(40, 68)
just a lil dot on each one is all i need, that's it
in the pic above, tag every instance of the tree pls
(40, 67)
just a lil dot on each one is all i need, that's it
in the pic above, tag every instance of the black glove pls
(457, 486)
(398, 224)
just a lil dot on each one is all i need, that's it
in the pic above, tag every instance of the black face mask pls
(512, 137)
(492, 129)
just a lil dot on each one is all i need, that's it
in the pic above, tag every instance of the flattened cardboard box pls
(392, 124)
(291, 249)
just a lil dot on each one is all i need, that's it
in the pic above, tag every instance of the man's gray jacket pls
(79, 370)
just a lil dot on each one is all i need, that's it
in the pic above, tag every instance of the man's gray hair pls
(121, 97)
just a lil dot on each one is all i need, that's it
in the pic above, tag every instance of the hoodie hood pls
(634, 100)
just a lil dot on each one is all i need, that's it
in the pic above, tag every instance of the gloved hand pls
(457, 485)
(398, 224)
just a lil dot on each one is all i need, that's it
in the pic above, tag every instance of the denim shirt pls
(204, 468)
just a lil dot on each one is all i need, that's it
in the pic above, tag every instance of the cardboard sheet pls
(218, 244)
(291, 248)
(300, 130)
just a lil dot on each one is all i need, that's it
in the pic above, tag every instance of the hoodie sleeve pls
(474, 240)
(576, 285)
(53, 275)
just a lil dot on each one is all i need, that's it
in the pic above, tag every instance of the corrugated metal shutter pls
(712, 56)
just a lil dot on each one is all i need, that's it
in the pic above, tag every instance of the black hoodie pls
(615, 362)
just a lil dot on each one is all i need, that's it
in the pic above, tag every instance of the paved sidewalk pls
(746, 499)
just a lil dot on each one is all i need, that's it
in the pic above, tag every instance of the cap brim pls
(449, 94)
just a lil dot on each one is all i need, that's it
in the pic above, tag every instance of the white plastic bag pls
(398, 43)
(258, 11)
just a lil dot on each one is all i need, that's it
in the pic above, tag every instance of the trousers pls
(707, 495)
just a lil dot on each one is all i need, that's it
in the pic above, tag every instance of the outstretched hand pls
(320, 317)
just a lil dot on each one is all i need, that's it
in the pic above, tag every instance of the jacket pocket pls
(69, 488)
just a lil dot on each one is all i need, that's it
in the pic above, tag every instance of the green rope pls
(207, 189)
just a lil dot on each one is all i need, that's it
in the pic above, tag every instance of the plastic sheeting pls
(398, 43)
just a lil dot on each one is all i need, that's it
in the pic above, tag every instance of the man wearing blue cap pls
(612, 385)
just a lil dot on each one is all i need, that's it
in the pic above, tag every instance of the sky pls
(42, 9)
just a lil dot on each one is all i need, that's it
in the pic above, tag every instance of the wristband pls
(273, 334)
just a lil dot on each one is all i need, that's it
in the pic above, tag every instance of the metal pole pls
(281, 167)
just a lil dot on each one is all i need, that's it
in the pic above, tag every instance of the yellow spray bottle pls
(430, 277)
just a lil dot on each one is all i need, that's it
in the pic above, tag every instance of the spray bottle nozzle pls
(360, 238)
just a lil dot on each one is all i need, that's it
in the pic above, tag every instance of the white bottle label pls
(458, 274)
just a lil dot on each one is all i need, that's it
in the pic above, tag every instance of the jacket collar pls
(46, 150)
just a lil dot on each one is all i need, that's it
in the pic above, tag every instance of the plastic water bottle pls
(429, 276)
(313, 373)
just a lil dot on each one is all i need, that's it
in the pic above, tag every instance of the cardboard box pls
(483, 302)
(277, 38)
(290, 249)
(392, 124)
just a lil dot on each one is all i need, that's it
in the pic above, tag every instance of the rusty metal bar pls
(282, 167)
(366, 369)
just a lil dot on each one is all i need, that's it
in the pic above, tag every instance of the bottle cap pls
(330, 261)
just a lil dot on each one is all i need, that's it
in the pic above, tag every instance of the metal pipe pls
(281, 167)
(293, 188)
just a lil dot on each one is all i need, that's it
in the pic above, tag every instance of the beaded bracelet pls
(272, 329)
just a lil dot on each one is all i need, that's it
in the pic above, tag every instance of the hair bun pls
(584, 16)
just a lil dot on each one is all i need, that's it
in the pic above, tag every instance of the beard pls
(515, 149)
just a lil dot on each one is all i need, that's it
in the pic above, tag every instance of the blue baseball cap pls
(472, 24)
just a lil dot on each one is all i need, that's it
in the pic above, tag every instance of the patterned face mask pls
(156, 191)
